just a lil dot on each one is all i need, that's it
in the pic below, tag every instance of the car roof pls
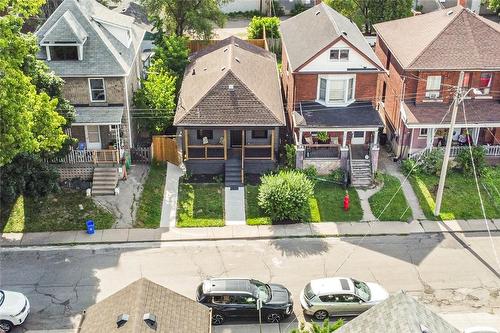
(217, 286)
(336, 285)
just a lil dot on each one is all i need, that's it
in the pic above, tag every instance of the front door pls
(236, 138)
(358, 138)
(93, 137)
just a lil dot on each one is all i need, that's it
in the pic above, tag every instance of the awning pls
(101, 115)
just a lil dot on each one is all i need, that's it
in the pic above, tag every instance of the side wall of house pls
(77, 90)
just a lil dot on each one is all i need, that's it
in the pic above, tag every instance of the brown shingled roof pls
(255, 100)
(454, 39)
(174, 312)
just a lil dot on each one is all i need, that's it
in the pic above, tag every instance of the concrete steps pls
(232, 173)
(104, 181)
(361, 173)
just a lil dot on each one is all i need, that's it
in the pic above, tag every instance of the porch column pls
(344, 139)
(375, 139)
(186, 143)
(475, 135)
(299, 157)
(344, 153)
(411, 141)
(225, 144)
(272, 144)
(299, 143)
(430, 137)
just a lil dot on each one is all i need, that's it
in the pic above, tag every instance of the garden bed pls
(398, 209)
(151, 200)
(200, 205)
(55, 212)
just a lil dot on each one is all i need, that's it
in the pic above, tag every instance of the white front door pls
(93, 137)
(358, 138)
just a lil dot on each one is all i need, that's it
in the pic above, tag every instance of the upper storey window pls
(339, 54)
(63, 52)
(433, 87)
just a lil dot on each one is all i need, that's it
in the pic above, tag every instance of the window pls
(467, 79)
(423, 132)
(339, 54)
(329, 298)
(93, 135)
(384, 91)
(63, 52)
(336, 91)
(259, 134)
(209, 134)
(348, 298)
(433, 87)
(97, 91)
(485, 81)
(350, 89)
(322, 89)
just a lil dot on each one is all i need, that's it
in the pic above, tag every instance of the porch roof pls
(102, 115)
(478, 112)
(356, 115)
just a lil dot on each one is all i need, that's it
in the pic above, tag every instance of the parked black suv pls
(237, 298)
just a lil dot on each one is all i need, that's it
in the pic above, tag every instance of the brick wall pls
(77, 90)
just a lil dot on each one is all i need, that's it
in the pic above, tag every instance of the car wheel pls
(321, 314)
(217, 319)
(273, 317)
(5, 326)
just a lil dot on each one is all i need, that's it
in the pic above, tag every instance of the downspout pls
(402, 136)
(128, 113)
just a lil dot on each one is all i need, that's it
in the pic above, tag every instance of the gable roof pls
(103, 53)
(399, 313)
(139, 298)
(454, 39)
(205, 97)
(66, 29)
(306, 34)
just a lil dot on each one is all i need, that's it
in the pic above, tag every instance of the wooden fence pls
(164, 149)
(141, 154)
(197, 45)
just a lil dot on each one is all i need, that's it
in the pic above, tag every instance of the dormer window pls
(339, 54)
(63, 52)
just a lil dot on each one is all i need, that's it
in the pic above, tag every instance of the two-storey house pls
(329, 75)
(424, 56)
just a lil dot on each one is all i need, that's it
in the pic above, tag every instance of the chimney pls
(463, 3)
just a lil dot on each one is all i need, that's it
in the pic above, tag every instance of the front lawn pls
(398, 209)
(200, 205)
(460, 198)
(151, 200)
(325, 206)
(56, 212)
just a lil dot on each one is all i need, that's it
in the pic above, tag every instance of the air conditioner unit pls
(433, 95)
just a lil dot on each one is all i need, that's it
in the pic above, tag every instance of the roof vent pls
(225, 50)
(223, 68)
(121, 320)
(317, 13)
(236, 44)
(149, 319)
(193, 72)
(237, 59)
(344, 33)
(449, 13)
(204, 68)
(230, 87)
(424, 329)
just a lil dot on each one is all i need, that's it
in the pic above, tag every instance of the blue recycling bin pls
(90, 227)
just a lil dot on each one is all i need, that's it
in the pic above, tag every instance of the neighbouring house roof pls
(306, 34)
(103, 52)
(104, 115)
(174, 312)
(312, 114)
(477, 112)
(255, 99)
(399, 313)
(453, 39)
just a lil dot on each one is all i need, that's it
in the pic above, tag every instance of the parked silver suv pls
(340, 297)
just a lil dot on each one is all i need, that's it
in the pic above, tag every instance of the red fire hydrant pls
(346, 201)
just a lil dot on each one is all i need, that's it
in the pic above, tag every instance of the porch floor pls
(359, 152)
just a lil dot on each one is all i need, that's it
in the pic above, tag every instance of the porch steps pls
(361, 173)
(232, 173)
(104, 181)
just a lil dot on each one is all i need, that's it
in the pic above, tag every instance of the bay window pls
(336, 90)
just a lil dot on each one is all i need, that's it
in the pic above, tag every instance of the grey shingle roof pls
(67, 29)
(174, 312)
(205, 98)
(307, 33)
(98, 115)
(399, 313)
(452, 38)
(103, 53)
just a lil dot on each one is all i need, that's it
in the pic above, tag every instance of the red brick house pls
(424, 56)
(329, 76)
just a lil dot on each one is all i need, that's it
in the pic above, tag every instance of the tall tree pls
(494, 5)
(173, 51)
(29, 122)
(194, 17)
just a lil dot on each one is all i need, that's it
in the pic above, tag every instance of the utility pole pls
(444, 168)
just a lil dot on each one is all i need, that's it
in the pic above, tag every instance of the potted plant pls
(323, 137)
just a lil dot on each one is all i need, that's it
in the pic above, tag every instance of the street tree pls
(325, 327)
(194, 17)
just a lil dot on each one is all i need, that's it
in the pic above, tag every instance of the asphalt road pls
(450, 273)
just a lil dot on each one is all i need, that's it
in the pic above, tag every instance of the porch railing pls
(455, 150)
(313, 151)
(89, 156)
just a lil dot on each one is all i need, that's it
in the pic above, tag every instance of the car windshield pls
(263, 291)
(361, 289)
(308, 292)
(2, 297)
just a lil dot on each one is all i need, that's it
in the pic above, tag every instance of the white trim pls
(339, 49)
(103, 87)
(338, 129)
(420, 135)
(127, 104)
(359, 140)
(459, 125)
(340, 77)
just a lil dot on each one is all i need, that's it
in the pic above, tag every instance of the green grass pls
(150, 202)
(460, 198)
(200, 205)
(56, 212)
(398, 209)
(325, 206)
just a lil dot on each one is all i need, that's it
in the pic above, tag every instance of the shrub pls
(311, 173)
(284, 196)
(464, 161)
(410, 165)
(337, 175)
(326, 327)
(431, 163)
(271, 24)
(290, 156)
(323, 136)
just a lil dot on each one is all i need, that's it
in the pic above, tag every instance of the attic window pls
(339, 54)
(63, 52)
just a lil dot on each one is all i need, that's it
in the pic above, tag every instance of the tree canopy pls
(173, 51)
(194, 17)
(30, 121)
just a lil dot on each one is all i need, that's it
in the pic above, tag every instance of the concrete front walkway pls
(171, 193)
(234, 206)
(364, 195)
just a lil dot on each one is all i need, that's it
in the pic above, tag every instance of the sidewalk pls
(325, 229)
